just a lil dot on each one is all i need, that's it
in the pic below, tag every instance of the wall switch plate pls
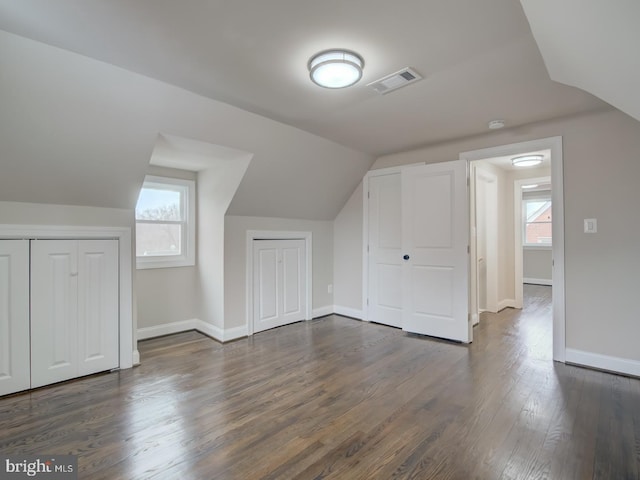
(590, 225)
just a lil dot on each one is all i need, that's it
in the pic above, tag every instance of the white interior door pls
(279, 283)
(385, 250)
(74, 309)
(97, 306)
(14, 316)
(54, 315)
(435, 235)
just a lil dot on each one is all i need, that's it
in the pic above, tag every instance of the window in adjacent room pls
(165, 223)
(537, 218)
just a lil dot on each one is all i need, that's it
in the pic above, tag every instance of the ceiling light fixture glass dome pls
(527, 160)
(336, 68)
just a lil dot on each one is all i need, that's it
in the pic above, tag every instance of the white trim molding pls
(127, 342)
(506, 303)
(205, 328)
(537, 281)
(348, 312)
(603, 362)
(322, 311)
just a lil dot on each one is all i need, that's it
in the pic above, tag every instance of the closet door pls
(14, 316)
(385, 250)
(279, 283)
(435, 237)
(97, 306)
(74, 309)
(54, 311)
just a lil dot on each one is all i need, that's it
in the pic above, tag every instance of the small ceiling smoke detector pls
(527, 161)
(396, 80)
(496, 124)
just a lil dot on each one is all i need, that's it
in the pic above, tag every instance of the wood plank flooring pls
(336, 398)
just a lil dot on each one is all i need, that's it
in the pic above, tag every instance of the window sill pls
(145, 263)
(537, 247)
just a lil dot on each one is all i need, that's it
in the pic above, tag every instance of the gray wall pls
(536, 265)
(601, 153)
(235, 248)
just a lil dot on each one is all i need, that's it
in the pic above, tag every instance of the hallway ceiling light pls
(527, 161)
(336, 68)
(533, 185)
(496, 124)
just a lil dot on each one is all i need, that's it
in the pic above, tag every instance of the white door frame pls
(128, 347)
(557, 199)
(491, 254)
(276, 235)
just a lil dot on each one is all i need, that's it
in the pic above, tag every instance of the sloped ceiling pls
(592, 45)
(77, 131)
(479, 60)
(87, 87)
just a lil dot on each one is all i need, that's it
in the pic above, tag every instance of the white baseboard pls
(537, 281)
(222, 335)
(475, 319)
(136, 358)
(322, 311)
(166, 329)
(603, 362)
(506, 303)
(348, 312)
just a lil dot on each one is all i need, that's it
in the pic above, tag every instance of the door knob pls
(406, 257)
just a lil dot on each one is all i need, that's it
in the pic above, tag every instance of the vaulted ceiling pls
(87, 88)
(479, 59)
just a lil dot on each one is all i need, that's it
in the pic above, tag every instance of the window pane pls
(538, 233)
(158, 239)
(157, 204)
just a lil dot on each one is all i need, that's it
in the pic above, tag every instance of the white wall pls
(601, 154)
(536, 265)
(347, 263)
(235, 261)
(216, 187)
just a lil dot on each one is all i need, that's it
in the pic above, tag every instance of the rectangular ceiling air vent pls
(396, 80)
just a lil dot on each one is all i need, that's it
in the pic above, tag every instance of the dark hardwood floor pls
(342, 399)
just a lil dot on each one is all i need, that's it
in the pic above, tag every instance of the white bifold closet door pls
(279, 283)
(14, 316)
(74, 309)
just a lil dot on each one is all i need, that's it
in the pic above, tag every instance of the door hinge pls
(468, 249)
(368, 194)
(367, 248)
(367, 302)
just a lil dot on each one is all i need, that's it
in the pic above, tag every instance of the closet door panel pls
(97, 305)
(14, 316)
(54, 316)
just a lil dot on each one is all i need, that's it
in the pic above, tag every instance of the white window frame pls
(188, 256)
(543, 196)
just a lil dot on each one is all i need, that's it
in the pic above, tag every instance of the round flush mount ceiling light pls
(336, 68)
(527, 187)
(496, 124)
(527, 161)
